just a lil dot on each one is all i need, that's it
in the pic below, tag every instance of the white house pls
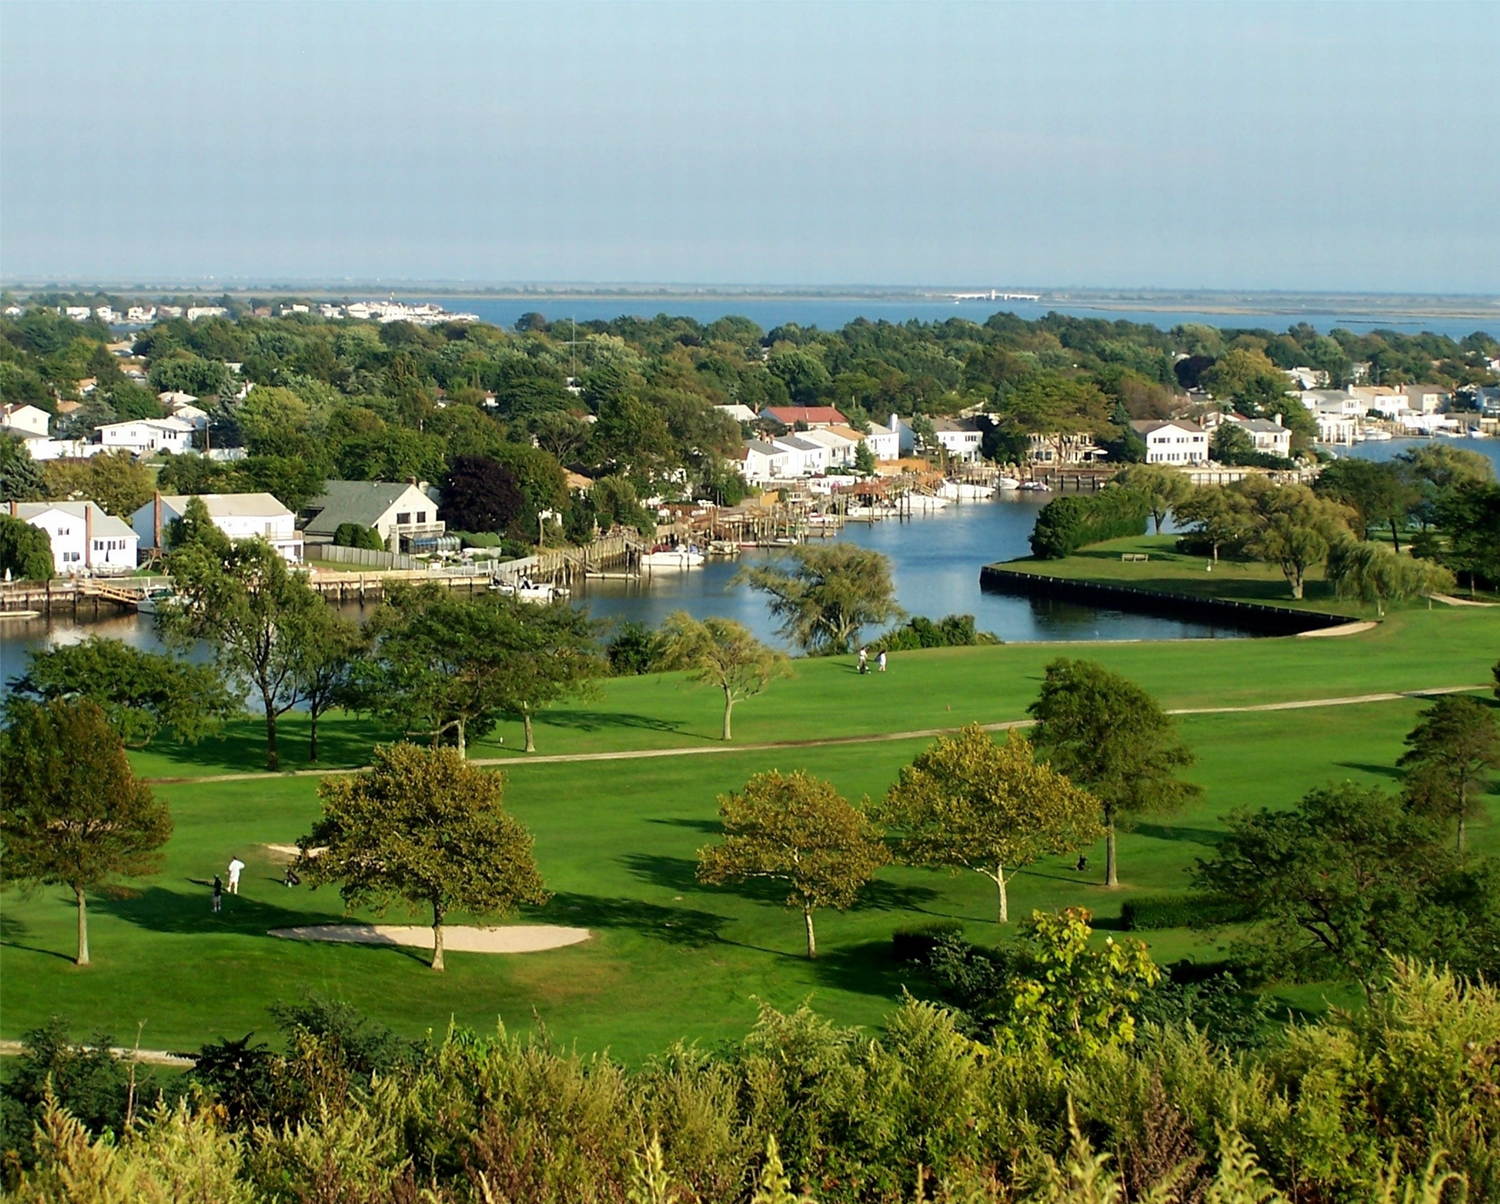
(143, 436)
(395, 511)
(959, 437)
(738, 412)
(841, 442)
(1269, 437)
(205, 311)
(884, 441)
(85, 540)
(1175, 441)
(171, 399)
(1334, 401)
(1426, 399)
(238, 515)
(1058, 448)
(761, 462)
(804, 457)
(25, 420)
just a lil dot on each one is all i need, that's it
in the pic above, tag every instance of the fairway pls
(616, 841)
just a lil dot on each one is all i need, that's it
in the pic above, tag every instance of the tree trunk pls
(463, 746)
(1296, 580)
(812, 937)
(1463, 807)
(312, 739)
(728, 710)
(530, 739)
(437, 939)
(1111, 875)
(1000, 888)
(83, 928)
(1395, 537)
(271, 762)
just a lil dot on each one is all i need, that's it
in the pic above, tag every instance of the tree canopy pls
(824, 596)
(721, 653)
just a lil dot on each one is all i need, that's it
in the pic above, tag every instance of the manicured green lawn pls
(1414, 649)
(1169, 570)
(616, 839)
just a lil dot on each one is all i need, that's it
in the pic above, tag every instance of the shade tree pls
(1291, 527)
(1448, 759)
(824, 596)
(721, 653)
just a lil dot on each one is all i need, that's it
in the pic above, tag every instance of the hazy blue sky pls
(1335, 146)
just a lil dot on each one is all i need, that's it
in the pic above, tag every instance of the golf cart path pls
(927, 733)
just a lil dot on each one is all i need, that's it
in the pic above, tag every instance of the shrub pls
(352, 535)
(916, 944)
(635, 649)
(953, 631)
(1152, 913)
(1068, 523)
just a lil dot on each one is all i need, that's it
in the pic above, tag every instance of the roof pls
(1260, 425)
(966, 425)
(797, 443)
(812, 415)
(761, 447)
(362, 502)
(1145, 426)
(226, 505)
(105, 526)
(171, 424)
(830, 436)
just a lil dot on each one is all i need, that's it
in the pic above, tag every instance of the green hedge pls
(1068, 523)
(1151, 913)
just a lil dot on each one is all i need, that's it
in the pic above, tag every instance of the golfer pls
(881, 662)
(235, 866)
(218, 893)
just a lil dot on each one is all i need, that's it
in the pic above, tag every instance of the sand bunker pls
(457, 938)
(1341, 629)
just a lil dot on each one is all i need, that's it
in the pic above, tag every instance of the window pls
(403, 518)
(421, 516)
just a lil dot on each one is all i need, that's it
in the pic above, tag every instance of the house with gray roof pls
(238, 515)
(395, 510)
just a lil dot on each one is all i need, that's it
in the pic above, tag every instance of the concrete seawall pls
(1248, 616)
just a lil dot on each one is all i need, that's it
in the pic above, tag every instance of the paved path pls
(147, 1057)
(928, 733)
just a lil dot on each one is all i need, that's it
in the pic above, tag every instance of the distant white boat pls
(964, 491)
(1477, 433)
(528, 590)
(673, 558)
(155, 599)
(1035, 487)
(1373, 433)
(924, 503)
(1009, 483)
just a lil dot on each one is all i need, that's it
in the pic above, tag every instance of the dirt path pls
(1450, 600)
(146, 1057)
(927, 733)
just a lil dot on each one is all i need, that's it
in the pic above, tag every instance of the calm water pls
(935, 561)
(1389, 449)
(833, 314)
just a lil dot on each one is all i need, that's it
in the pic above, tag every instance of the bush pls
(915, 944)
(954, 631)
(1152, 913)
(1068, 523)
(635, 649)
(25, 551)
(352, 535)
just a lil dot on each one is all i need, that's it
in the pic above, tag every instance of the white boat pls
(672, 558)
(1477, 433)
(965, 491)
(1008, 483)
(528, 590)
(1035, 487)
(924, 503)
(1374, 433)
(155, 599)
(723, 547)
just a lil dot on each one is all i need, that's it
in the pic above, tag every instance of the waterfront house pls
(841, 442)
(761, 462)
(85, 540)
(1426, 399)
(238, 515)
(805, 458)
(401, 513)
(25, 420)
(961, 438)
(145, 436)
(1064, 449)
(739, 413)
(1172, 441)
(809, 416)
(1270, 438)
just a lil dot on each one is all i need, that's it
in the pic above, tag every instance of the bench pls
(1135, 555)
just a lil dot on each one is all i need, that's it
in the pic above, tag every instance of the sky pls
(1337, 146)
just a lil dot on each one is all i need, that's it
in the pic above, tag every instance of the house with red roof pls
(812, 416)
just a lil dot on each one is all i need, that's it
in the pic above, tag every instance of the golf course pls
(621, 793)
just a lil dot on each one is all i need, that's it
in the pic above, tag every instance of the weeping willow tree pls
(1365, 571)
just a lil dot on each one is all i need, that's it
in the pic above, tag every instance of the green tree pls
(1340, 882)
(1291, 527)
(825, 595)
(1232, 444)
(327, 649)
(1164, 489)
(796, 829)
(21, 477)
(1470, 515)
(554, 654)
(481, 495)
(424, 828)
(1374, 490)
(74, 813)
(117, 481)
(355, 535)
(1221, 517)
(25, 551)
(1371, 572)
(723, 654)
(969, 803)
(1109, 736)
(243, 599)
(1447, 759)
(864, 459)
(140, 693)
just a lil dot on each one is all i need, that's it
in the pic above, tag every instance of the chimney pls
(88, 535)
(15, 508)
(156, 518)
(1276, 418)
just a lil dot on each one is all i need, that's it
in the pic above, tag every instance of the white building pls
(85, 540)
(79, 313)
(1426, 399)
(761, 462)
(62, 449)
(738, 412)
(139, 315)
(1175, 441)
(238, 515)
(961, 438)
(25, 420)
(171, 399)
(145, 436)
(1270, 438)
(169, 311)
(394, 511)
(884, 441)
(804, 457)
(842, 444)
(205, 311)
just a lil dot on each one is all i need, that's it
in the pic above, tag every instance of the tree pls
(721, 653)
(1163, 488)
(243, 599)
(140, 693)
(1221, 517)
(74, 813)
(864, 459)
(25, 551)
(327, 647)
(425, 828)
(824, 596)
(1291, 527)
(1470, 514)
(796, 829)
(1339, 883)
(117, 481)
(481, 495)
(356, 535)
(969, 803)
(1448, 754)
(1109, 736)
(554, 655)
(21, 477)
(1374, 490)
(1371, 572)
(1232, 444)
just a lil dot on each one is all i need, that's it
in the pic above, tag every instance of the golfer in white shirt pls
(235, 866)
